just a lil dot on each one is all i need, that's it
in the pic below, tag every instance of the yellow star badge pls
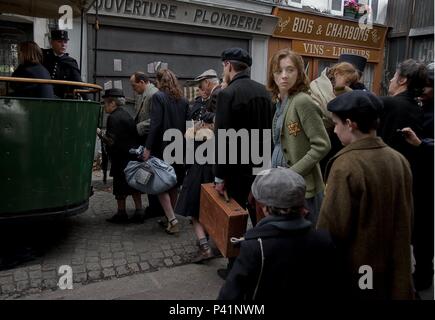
(293, 128)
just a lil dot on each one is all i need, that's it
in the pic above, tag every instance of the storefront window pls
(368, 77)
(323, 63)
(423, 49)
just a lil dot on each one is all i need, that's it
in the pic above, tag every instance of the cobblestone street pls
(95, 249)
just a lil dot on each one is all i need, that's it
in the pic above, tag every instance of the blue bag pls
(153, 176)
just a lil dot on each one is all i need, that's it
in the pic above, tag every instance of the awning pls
(43, 9)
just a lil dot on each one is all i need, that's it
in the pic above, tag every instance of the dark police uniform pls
(61, 67)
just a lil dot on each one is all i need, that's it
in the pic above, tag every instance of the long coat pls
(37, 71)
(121, 130)
(244, 104)
(166, 113)
(401, 111)
(304, 140)
(367, 208)
(283, 259)
(61, 68)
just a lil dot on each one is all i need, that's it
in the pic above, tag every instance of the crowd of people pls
(351, 183)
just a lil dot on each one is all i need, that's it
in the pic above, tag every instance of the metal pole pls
(95, 44)
(81, 41)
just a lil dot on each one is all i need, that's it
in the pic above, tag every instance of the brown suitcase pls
(222, 220)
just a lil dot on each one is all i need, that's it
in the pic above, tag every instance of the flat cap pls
(353, 100)
(280, 188)
(237, 54)
(114, 92)
(59, 35)
(208, 74)
(358, 61)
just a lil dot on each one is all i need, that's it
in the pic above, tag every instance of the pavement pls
(95, 249)
(125, 262)
(187, 282)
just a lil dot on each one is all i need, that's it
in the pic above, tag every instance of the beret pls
(237, 54)
(353, 100)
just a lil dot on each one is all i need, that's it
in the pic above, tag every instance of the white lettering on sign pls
(347, 32)
(191, 14)
(312, 48)
(227, 20)
(337, 51)
(302, 25)
(139, 8)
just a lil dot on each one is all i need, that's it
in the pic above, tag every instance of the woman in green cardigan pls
(299, 135)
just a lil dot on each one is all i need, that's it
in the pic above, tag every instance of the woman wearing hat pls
(299, 136)
(120, 137)
(282, 257)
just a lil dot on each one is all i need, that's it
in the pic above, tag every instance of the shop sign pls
(330, 50)
(304, 26)
(188, 13)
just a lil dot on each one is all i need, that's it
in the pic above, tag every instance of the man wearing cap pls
(120, 137)
(208, 82)
(243, 105)
(367, 206)
(283, 257)
(60, 65)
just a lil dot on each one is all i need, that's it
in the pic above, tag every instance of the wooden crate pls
(222, 220)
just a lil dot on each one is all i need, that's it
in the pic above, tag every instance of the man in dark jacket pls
(282, 257)
(243, 105)
(60, 65)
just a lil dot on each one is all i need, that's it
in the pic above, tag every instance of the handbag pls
(153, 176)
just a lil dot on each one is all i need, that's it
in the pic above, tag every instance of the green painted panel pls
(46, 153)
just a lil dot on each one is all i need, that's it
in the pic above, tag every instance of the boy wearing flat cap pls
(60, 65)
(367, 206)
(282, 257)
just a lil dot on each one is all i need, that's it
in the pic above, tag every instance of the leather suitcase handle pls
(227, 199)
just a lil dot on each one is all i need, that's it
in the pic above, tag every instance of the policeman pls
(60, 65)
